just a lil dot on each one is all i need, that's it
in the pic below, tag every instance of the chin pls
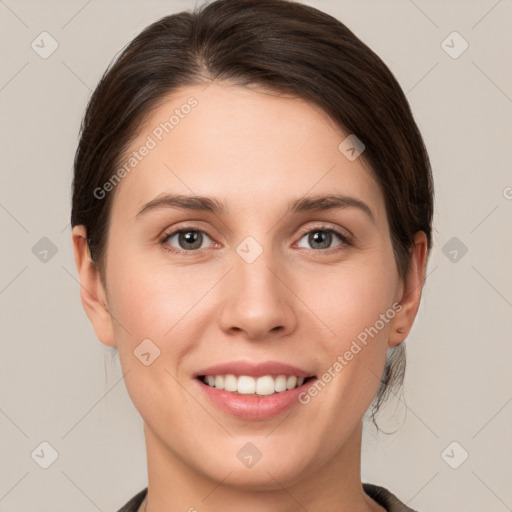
(267, 474)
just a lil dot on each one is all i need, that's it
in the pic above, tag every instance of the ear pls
(92, 292)
(411, 291)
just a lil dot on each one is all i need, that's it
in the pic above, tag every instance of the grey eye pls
(189, 239)
(320, 238)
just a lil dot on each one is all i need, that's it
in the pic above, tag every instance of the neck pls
(334, 484)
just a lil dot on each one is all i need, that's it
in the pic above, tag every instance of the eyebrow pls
(302, 204)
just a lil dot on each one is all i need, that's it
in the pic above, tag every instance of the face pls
(255, 281)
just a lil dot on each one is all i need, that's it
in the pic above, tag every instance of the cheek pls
(149, 299)
(153, 336)
(351, 299)
(171, 307)
(357, 304)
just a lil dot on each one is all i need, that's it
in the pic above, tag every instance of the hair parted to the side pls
(286, 47)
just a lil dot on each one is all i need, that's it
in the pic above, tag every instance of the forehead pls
(249, 148)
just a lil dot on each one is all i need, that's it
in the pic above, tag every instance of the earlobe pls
(92, 293)
(411, 293)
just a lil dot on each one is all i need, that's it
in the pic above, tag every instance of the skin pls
(296, 303)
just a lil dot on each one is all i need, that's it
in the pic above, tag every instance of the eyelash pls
(345, 240)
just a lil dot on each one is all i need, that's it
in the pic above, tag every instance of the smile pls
(248, 385)
(253, 398)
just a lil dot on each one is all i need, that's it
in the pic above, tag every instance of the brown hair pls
(286, 47)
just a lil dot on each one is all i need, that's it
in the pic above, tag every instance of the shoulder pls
(385, 498)
(134, 504)
(380, 494)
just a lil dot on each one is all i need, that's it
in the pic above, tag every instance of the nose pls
(257, 300)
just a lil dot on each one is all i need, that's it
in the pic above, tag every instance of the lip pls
(254, 369)
(250, 407)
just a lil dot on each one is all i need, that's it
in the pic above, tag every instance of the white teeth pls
(230, 383)
(280, 383)
(246, 385)
(291, 382)
(219, 381)
(265, 385)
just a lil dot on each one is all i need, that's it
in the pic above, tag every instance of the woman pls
(252, 210)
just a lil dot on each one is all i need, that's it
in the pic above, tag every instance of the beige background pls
(59, 384)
